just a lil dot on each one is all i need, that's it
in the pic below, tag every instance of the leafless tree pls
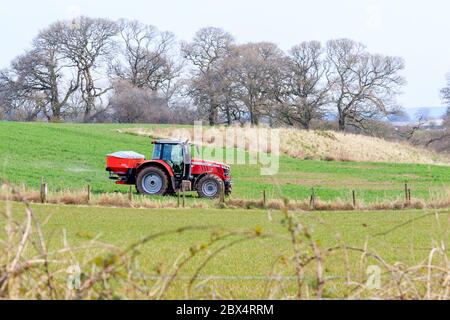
(440, 140)
(85, 42)
(145, 59)
(16, 104)
(306, 92)
(205, 53)
(3, 101)
(408, 132)
(37, 80)
(363, 85)
(445, 92)
(73, 67)
(228, 92)
(257, 74)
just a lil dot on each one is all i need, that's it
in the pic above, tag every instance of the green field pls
(71, 156)
(239, 271)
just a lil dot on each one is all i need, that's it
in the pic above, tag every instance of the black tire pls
(210, 187)
(152, 189)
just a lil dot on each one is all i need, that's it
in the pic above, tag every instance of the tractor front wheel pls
(152, 181)
(210, 186)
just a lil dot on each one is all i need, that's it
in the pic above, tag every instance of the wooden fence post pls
(41, 188)
(184, 198)
(354, 199)
(409, 196)
(312, 201)
(44, 191)
(88, 193)
(130, 194)
(264, 199)
(178, 202)
(406, 192)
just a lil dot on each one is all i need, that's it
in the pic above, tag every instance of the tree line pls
(98, 70)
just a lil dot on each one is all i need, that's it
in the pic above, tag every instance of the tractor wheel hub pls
(152, 183)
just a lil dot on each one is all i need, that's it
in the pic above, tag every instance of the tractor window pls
(177, 154)
(172, 153)
(157, 152)
(167, 153)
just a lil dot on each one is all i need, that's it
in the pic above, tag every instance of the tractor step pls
(186, 185)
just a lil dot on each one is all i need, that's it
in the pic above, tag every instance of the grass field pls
(238, 271)
(71, 156)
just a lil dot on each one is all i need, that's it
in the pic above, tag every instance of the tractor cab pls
(177, 154)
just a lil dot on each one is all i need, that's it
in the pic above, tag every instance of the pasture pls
(71, 156)
(243, 269)
(230, 251)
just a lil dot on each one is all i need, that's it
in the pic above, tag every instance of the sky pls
(418, 31)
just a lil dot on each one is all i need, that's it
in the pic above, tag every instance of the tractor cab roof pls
(172, 142)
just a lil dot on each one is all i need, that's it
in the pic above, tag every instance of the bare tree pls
(363, 85)
(228, 90)
(306, 92)
(85, 41)
(37, 80)
(445, 92)
(440, 139)
(16, 104)
(3, 100)
(145, 59)
(257, 74)
(206, 52)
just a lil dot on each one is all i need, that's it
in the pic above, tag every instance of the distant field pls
(71, 156)
(239, 271)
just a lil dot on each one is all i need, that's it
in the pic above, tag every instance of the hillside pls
(72, 156)
(316, 145)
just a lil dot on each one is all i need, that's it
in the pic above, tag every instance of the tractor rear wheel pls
(210, 186)
(152, 181)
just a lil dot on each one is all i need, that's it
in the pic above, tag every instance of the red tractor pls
(171, 169)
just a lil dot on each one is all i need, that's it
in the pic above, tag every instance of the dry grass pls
(339, 204)
(302, 144)
(80, 197)
(70, 197)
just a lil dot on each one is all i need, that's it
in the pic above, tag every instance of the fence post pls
(130, 194)
(184, 198)
(264, 199)
(41, 189)
(312, 202)
(409, 196)
(178, 196)
(354, 199)
(88, 193)
(406, 192)
(44, 191)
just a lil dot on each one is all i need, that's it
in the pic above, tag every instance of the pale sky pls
(418, 31)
